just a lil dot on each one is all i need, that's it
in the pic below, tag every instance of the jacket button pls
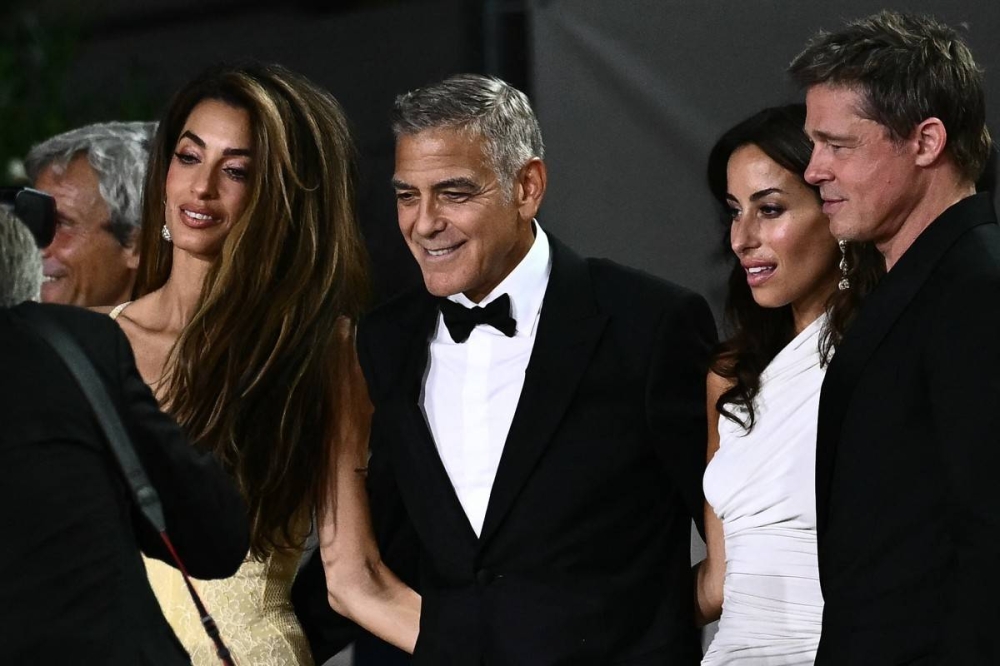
(484, 576)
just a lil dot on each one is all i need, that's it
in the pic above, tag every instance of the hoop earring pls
(844, 283)
(165, 233)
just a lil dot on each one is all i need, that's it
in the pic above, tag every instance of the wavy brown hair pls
(252, 377)
(756, 333)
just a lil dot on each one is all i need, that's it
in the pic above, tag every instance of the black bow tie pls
(460, 320)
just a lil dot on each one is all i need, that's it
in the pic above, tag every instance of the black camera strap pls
(146, 497)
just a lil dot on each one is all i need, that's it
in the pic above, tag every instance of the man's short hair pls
(117, 152)
(482, 106)
(20, 262)
(907, 68)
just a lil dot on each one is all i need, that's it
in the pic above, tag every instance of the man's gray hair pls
(483, 106)
(20, 262)
(117, 152)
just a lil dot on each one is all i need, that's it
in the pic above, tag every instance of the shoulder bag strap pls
(145, 495)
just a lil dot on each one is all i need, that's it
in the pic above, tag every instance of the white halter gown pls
(761, 485)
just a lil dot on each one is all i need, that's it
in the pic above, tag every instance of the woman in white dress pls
(785, 314)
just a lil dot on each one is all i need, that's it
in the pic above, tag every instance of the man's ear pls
(931, 138)
(531, 182)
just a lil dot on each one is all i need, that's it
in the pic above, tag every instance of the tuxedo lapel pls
(878, 315)
(569, 328)
(434, 495)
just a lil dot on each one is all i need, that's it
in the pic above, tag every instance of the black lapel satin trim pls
(569, 328)
(880, 311)
(435, 491)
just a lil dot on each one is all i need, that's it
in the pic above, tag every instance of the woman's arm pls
(359, 585)
(712, 570)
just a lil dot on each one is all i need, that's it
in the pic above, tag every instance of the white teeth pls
(758, 269)
(49, 278)
(439, 253)
(197, 216)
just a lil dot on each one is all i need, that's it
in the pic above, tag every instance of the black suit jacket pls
(909, 455)
(584, 553)
(74, 588)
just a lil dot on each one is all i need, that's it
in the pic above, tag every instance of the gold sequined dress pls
(252, 609)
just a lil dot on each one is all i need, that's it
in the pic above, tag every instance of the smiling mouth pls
(196, 219)
(442, 252)
(757, 275)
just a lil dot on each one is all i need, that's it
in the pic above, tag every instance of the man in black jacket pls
(907, 455)
(539, 424)
(73, 586)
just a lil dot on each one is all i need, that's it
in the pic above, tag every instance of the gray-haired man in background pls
(96, 175)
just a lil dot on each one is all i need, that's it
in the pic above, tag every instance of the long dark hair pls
(757, 334)
(254, 376)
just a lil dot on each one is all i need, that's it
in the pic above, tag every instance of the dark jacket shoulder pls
(97, 333)
(398, 309)
(632, 287)
(100, 338)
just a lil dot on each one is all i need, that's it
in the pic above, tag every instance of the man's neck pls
(929, 208)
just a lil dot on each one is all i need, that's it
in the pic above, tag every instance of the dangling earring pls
(164, 231)
(844, 283)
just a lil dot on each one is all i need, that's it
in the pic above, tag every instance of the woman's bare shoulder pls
(144, 325)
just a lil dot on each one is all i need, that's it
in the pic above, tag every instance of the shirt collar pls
(525, 284)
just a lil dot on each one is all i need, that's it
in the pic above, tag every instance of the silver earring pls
(165, 233)
(844, 283)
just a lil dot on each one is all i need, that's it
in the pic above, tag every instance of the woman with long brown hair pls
(252, 275)
(793, 290)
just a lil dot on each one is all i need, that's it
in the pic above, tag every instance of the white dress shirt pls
(472, 389)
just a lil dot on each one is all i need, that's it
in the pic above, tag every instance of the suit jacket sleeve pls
(205, 515)
(964, 398)
(676, 396)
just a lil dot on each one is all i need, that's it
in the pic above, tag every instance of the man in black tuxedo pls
(908, 450)
(73, 588)
(539, 420)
